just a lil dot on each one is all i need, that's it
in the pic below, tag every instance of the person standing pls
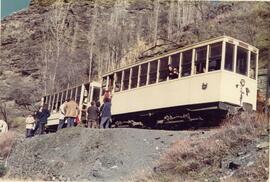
(62, 116)
(71, 112)
(42, 118)
(3, 126)
(92, 115)
(106, 113)
(30, 125)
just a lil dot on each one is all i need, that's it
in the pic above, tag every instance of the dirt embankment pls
(236, 151)
(96, 155)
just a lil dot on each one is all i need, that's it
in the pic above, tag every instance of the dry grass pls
(6, 143)
(202, 159)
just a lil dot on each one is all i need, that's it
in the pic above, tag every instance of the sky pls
(10, 6)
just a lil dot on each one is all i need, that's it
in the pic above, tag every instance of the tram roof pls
(194, 45)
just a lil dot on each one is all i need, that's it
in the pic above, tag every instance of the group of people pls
(173, 72)
(35, 123)
(97, 117)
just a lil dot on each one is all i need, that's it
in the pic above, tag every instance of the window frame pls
(151, 73)
(144, 74)
(117, 81)
(136, 77)
(246, 69)
(214, 58)
(200, 61)
(186, 64)
(126, 80)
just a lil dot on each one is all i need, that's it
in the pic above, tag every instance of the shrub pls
(6, 143)
(201, 158)
(3, 170)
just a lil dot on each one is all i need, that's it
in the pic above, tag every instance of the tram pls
(83, 95)
(214, 77)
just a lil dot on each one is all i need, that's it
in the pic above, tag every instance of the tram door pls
(91, 93)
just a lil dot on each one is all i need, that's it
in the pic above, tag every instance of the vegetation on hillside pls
(233, 154)
(121, 38)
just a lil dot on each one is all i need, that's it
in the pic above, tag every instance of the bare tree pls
(57, 27)
(91, 40)
(156, 12)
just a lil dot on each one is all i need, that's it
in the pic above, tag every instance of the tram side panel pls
(238, 89)
(188, 91)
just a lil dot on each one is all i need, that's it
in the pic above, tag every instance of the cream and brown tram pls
(215, 77)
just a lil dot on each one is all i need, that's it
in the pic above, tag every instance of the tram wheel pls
(150, 123)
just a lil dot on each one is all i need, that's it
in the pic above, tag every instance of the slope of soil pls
(89, 154)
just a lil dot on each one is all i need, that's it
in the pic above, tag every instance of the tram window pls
(96, 93)
(51, 102)
(252, 71)
(175, 60)
(48, 100)
(126, 79)
(79, 90)
(111, 80)
(215, 56)
(64, 96)
(73, 93)
(59, 101)
(118, 81)
(134, 76)
(153, 72)
(45, 99)
(186, 63)
(241, 61)
(104, 82)
(143, 75)
(200, 61)
(54, 102)
(229, 57)
(68, 94)
(163, 69)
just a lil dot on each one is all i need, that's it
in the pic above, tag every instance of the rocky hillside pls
(90, 154)
(236, 151)
(55, 44)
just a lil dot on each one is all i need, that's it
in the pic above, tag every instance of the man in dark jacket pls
(106, 113)
(42, 118)
(92, 117)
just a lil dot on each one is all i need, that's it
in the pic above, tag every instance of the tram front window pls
(186, 63)
(200, 60)
(229, 57)
(241, 61)
(215, 57)
(252, 71)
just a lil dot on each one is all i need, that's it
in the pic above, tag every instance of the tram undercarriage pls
(208, 114)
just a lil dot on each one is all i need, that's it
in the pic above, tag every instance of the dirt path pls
(89, 154)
